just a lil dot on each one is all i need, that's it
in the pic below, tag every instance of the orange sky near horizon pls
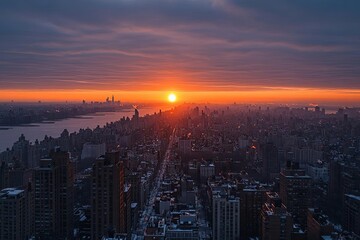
(277, 95)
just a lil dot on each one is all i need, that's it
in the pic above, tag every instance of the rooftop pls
(10, 192)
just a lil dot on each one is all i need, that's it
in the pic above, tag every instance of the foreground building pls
(13, 224)
(295, 188)
(318, 225)
(352, 214)
(276, 222)
(107, 196)
(53, 197)
(226, 217)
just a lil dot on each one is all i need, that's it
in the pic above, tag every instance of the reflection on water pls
(9, 135)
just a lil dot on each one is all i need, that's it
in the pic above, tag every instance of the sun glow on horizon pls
(172, 97)
(269, 95)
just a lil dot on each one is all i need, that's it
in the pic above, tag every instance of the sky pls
(203, 50)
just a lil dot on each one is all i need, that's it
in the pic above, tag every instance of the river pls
(10, 134)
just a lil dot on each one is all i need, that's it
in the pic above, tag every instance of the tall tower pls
(136, 114)
(107, 196)
(13, 214)
(226, 217)
(271, 165)
(251, 201)
(295, 191)
(53, 197)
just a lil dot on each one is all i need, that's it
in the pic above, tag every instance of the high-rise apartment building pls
(107, 196)
(53, 197)
(226, 217)
(13, 217)
(276, 222)
(295, 188)
(251, 200)
(271, 164)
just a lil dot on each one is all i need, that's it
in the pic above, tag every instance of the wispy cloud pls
(189, 44)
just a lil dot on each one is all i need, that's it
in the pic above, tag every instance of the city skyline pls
(200, 172)
(217, 51)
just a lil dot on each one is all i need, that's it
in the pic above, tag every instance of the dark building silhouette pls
(53, 197)
(271, 165)
(4, 178)
(136, 114)
(13, 224)
(134, 179)
(295, 187)
(334, 187)
(251, 201)
(344, 179)
(127, 210)
(13, 175)
(351, 219)
(107, 196)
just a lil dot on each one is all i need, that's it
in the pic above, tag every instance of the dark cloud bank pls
(104, 44)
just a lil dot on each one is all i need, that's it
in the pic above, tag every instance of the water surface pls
(10, 134)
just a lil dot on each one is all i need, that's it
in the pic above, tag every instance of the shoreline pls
(82, 116)
(54, 130)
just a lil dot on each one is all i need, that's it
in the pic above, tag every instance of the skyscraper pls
(251, 201)
(334, 188)
(295, 191)
(271, 165)
(107, 196)
(226, 217)
(13, 225)
(53, 196)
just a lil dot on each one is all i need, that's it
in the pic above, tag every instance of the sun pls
(172, 97)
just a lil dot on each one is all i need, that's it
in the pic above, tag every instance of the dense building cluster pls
(193, 172)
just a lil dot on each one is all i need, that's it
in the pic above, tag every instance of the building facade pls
(295, 188)
(226, 217)
(276, 222)
(13, 217)
(107, 196)
(53, 197)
